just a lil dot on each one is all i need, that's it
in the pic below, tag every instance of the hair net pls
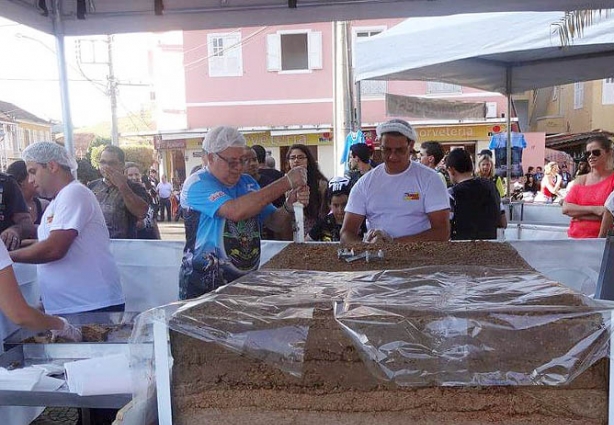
(45, 152)
(399, 126)
(223, 137)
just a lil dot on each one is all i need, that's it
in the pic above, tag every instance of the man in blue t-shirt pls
(224, 211)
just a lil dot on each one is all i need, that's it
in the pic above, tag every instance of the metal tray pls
(21, 354)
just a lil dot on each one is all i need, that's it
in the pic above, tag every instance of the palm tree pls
(572, 25)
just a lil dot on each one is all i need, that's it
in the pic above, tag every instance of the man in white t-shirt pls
(76, 271)
(165, 191)
(401, 200)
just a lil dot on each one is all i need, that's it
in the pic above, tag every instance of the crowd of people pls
(234, 199)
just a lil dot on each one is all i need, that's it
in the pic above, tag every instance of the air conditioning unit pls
(491, 109)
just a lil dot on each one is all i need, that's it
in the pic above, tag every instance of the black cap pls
(362, 151)
(485, 152)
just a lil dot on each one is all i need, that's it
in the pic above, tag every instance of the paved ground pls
(172, 231)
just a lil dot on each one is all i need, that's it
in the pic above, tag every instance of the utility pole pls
(343, 103)
(112, 94)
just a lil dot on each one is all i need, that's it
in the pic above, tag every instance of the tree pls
(98, 141)
(139, 154)
(572, 25)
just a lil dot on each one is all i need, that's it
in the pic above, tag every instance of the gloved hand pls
(297, 177)
(68, 332)
(376, 236)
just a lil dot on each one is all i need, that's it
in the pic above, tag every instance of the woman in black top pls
(36, 205)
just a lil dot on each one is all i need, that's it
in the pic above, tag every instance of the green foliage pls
(96, 151)
(98, 141)
(139, 154)
(86, 173)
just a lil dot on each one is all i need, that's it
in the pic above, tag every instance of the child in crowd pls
(328, 229)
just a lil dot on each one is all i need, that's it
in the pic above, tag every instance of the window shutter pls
(234, 57)
(578, 98)
(607, 92)
(273, 52)
(314, 47)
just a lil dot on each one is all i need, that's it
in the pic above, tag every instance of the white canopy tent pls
(503, 52)
(118, 16)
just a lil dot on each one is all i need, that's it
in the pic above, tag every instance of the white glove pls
(68, 332)
(377, 235)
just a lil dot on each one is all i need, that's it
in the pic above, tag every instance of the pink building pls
(276, 84)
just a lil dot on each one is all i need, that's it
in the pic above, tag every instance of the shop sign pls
(169, 144)
(265, 139)
(458, 133)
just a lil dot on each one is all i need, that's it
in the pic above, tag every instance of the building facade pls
(570, 114)
(18, 129)
(275, 83)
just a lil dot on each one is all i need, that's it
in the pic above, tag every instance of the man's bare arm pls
(439, 231)
(351, 228)
(51, 249)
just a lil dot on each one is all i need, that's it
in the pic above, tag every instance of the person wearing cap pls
(401, 200)
(224, 210)
(76, 271)
(360, 161)
(328, 229)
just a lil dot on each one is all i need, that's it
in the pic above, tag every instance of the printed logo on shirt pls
(50, 219)
(217, 195)
(411, 196)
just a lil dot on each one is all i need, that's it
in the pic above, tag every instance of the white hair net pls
(223, 137)
(45, 152)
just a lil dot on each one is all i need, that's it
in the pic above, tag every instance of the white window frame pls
(232, 48)
(555, 94)
(314, 51)
(578, 95)
(371, 89)
(607, 91)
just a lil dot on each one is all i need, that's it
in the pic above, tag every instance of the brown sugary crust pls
(323, 257)
(212, 384)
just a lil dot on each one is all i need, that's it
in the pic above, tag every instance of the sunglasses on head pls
(594, 152)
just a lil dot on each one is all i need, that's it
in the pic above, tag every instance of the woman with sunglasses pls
(585, 201)
(300, 155)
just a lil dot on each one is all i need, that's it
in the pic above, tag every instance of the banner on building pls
(418, 107)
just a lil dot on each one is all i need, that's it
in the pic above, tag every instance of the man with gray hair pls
(401, 200)
(224, 210)
(76, 271)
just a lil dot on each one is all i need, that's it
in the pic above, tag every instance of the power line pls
(45, 80)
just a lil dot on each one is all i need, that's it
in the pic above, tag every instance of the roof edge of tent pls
(269, 14)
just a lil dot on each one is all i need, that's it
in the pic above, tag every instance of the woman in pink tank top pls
(584, 202)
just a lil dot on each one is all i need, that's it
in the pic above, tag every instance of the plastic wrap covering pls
(427, 326)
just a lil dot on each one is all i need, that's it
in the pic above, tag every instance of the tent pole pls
(358, 106)
(508, 92)
(58, 30)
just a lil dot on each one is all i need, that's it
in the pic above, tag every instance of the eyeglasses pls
(234, 163)
(386, 152)
(297, 157)
(594, 152)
